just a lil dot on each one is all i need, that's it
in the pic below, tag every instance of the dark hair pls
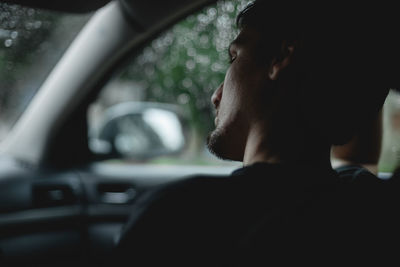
(347, 59)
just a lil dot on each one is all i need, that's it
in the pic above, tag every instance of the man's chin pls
(225, 146)
(214, 143)
(217, 144)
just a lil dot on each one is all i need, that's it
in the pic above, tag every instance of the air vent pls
(112, 193)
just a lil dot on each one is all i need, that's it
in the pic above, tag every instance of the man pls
(291, 92)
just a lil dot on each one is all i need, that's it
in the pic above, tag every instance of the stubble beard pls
(215, 143)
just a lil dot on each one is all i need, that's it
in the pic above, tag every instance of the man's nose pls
(216, 96)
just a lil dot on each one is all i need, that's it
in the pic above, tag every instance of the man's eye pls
(231, 59)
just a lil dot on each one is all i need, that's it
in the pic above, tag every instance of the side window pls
(31, 43)
(158, 109)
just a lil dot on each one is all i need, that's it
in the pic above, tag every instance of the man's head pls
(300, 75)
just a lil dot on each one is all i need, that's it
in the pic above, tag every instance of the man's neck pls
(294, 151)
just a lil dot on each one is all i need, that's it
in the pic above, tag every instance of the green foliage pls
(186, 63)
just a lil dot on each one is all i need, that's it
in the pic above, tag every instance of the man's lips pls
(216, 118)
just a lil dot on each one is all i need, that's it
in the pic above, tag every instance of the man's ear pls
(279, 63)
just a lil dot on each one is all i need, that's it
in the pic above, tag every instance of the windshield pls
(31, 42)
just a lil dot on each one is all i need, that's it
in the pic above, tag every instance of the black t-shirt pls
(260, 214)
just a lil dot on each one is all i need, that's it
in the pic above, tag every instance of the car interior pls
(67, 183)
(123, 106)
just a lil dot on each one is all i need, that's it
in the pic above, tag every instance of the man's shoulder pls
(183, 212)
(182, 197)
(187, 186)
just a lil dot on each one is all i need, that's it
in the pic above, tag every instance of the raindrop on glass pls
(183, 99)
(8, 43)
(14, 35)
(37, 24)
